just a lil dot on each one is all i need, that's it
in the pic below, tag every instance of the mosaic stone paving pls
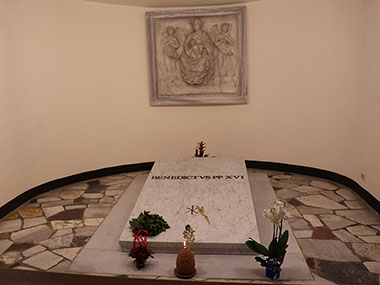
(338, 233)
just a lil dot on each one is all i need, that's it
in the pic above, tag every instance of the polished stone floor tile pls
(361, 230)
(70, 224)
(346, 272)
(323, 233)
(10, 226)
(51, 211)
(33, 250)
(345, 236)
(367, 250)
(324, 185)
(320, 201)
(332, 196)
(347, 194)
(4, 245)
(58, 242)
(365, 217)
(336, 222)
(327, 250)
(70, 194)
(10, 257)
(373, 266)
(30, 212)
(69, 253)
(313, 220)
(303, 233)
(44, 260)
(33, 234)
(28, 223)
(62, 232)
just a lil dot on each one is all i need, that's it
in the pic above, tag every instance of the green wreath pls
(154, 224)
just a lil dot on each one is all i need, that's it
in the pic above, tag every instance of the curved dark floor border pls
(305, 170)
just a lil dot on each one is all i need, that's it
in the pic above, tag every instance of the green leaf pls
(282, 244)
(272, 249)
(256, 247)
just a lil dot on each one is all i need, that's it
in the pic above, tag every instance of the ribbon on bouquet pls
(140, 237)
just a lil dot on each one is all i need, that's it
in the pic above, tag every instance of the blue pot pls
(273, 269)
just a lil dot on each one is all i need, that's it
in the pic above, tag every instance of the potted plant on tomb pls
(200, 150)
(272, 257)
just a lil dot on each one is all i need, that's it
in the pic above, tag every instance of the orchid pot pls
(273, 269)
(272, 257)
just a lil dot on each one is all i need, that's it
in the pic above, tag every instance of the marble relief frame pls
(197, 56)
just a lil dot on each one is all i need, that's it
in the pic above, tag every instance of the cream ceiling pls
(172, 3)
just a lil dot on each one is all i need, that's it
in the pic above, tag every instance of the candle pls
(185, 263)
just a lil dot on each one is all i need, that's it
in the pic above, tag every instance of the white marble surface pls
(221, 185)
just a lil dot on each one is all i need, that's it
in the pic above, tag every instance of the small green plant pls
(152, 223)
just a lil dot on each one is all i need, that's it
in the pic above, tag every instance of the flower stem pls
(277, 233)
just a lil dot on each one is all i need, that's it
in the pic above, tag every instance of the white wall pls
(80, 73)
(12, 157)
(369, 134)
(5, 114)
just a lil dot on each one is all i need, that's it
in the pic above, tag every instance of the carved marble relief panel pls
(197, 56)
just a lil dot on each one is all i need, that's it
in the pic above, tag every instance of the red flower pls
(141, 252)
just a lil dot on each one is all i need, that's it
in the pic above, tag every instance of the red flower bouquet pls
(140, 253)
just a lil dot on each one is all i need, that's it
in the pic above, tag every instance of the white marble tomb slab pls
(221, 185)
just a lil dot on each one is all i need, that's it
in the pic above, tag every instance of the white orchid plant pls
(277, 248)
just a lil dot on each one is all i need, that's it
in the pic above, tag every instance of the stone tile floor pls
(338, 233)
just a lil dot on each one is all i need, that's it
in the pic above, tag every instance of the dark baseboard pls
(320, 173)
(31, 193)
(310, 171)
